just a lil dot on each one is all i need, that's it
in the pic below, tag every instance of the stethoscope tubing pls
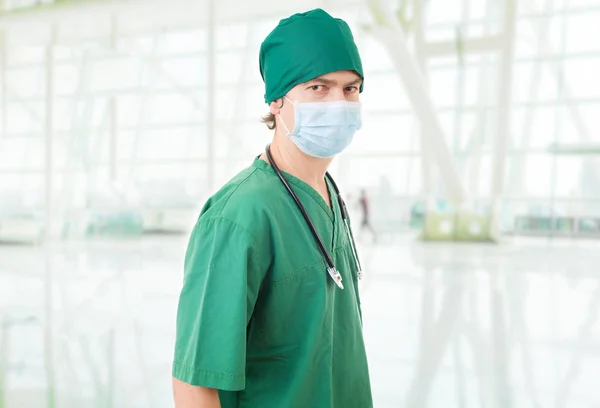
(335, 275)
(309, 222)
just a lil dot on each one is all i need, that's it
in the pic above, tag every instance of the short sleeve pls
(222, 276)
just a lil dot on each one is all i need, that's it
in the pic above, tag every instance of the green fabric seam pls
(234, 190)
(236, 225)
(211, 373)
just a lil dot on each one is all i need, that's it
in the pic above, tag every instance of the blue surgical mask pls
(324, 129)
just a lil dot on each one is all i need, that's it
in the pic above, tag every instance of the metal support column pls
(112, 107)
(427, 167)
(504, 108)
(145, 81)
(239, 99)
(558, 120)
(48, 133)
(461, 34)
(478, 137)
(211, 96)
(49, 221)
(392, 36)
(3, 82)
(112, 141)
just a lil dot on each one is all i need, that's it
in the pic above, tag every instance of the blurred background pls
(479, 160)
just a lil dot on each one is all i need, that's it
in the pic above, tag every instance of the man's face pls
(334, 86)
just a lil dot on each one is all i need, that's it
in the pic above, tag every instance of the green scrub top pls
(259, 318)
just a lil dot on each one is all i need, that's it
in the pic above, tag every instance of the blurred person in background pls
(269, 315)
(366, 221)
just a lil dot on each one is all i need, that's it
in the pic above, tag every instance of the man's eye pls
(351, 88)
(317, 88)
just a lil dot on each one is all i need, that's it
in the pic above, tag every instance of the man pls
(260, 323)
(366, 223)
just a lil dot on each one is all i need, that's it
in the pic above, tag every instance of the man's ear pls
(275, 106)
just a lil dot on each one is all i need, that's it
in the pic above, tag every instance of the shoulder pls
(246, 200)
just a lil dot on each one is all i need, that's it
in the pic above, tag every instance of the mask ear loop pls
(281, 119)
(284, 125)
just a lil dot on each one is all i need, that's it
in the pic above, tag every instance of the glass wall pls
(128, 104)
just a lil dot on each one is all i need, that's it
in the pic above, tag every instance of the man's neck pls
(290, 159)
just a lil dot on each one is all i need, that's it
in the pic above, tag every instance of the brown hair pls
(269, 120)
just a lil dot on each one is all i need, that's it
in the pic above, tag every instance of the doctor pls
(269, 315)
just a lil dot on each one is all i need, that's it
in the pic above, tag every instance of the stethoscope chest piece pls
(336, 276)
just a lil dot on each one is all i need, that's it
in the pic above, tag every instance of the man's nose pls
(337, 94)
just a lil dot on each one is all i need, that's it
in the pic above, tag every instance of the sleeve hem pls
(209, 379)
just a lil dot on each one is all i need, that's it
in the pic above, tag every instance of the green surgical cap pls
(305, 46)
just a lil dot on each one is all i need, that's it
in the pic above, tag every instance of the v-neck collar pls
(263, 165)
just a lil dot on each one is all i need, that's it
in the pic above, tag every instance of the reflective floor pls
(491, 326)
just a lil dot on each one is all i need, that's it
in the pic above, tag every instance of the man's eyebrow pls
(325, 81)
(322, 80)
(357, 81)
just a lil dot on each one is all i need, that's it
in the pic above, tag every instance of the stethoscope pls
(333, 272)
